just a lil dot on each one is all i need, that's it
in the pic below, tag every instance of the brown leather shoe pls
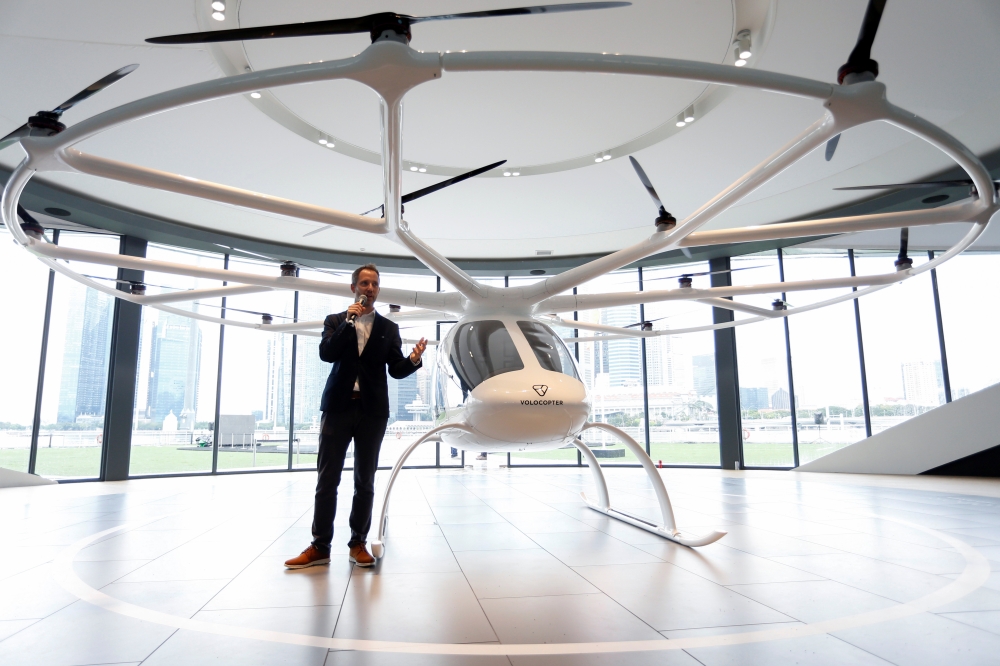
(310, 557)
(360, 556)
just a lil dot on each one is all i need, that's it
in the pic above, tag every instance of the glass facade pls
(800, 379)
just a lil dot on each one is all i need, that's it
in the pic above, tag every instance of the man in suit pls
(361, 344)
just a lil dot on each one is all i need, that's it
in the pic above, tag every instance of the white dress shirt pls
(363, 326)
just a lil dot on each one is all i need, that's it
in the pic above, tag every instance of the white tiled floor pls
(490, 556)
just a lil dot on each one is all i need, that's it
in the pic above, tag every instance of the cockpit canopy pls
(484, 349)
(549, 349)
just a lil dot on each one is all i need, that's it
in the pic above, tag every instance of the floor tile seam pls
(866, 651)
(278, 608)
(824, 579)
(782, 612)
(869, 557)
(156, 649)
(224, 587)
(732, 626)
(465, 577)
(33, 622)
(547, 596)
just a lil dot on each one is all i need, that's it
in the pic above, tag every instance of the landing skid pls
(668, 528)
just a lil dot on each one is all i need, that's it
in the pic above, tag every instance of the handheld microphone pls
(361, 299)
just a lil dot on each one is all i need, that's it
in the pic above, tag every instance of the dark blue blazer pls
(383, 350)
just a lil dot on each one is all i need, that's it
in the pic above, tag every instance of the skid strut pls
(432, 435)
(668, 528)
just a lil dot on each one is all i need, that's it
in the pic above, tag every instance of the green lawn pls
(86, 461)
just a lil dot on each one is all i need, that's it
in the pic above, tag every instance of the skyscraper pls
(921, 381)
(704, 374)
(85, 357)
(624, 358)
(174, 370)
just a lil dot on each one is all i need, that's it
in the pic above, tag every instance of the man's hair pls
(366, 267)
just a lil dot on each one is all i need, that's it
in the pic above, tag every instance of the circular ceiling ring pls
(757, 16)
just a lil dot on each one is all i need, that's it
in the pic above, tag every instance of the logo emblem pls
(540, 389)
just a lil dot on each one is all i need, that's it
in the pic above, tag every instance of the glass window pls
(612, 372)
(550, 351)
(970, 326)
(76, 368)
(26, 280)
(825, 365)
(680, 373)
(174, 417)
(763, 370)
(483, 349)
(902, 354)
(256, 378)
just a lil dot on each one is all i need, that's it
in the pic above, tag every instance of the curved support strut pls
(378, 545)
(668, 528)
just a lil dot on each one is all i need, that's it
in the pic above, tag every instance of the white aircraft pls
(504, 381)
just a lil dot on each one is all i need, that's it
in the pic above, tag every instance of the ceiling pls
(937, 59)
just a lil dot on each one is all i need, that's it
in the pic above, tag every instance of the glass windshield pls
(550, 351)
(483, 349)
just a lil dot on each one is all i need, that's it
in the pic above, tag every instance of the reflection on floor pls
(502, 556)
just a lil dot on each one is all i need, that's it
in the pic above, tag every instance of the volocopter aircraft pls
(504, 380)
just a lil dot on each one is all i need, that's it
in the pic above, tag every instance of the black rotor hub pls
(46, 120)
(869, 66)
(685, 281)
(397, 23)
(665, 220)
(289, 269)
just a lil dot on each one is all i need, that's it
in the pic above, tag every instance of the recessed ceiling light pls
(739, 61)
(506, 173)
(689, 115)
(743, 45)
(599, 159)
(422, 169)
(680, 121)
(219, 16)
(219, 6)
(255, 95)
(323, 141)
(330, 144)
(606, 156)
(413, 168)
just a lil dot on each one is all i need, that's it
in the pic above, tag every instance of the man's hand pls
(418, 350)
(355, 309)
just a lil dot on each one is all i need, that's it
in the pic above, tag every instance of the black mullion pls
(36, 420)
(940, 329)
(291, 396)
(861, 355)
(645, 380)
(788, 363)
(218, 378)
(576, 354)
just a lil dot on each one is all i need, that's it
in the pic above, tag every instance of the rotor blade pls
(519, 11)
(831, 147)
(14, 136)
(120, 281)
(253, 254)
(640, 323)
(862, 52)
(347, 26)
(94, 88)
(25, 215)
(680, 275)
(407, 198)
(908, 186)
(645, 182)
(228, 307)
(904, 241)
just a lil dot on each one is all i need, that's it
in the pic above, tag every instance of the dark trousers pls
(337, 429)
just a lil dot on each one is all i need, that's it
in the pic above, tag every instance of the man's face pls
(367, 285)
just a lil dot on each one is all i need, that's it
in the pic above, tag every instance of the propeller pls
(130, 282)
(860, 66)
(642, 324)
(228, 307)
(692, 275)
(664, 220)
(46, 123)
(407, 198)
(964, 182)
(30, 223)
(374, 24)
